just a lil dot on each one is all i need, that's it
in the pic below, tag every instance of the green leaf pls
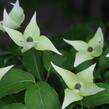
(15, 81)
(67, 57)
(14, 106)
(41, 96)
(106, 76)
(98, 99)
(33, 64)
(103, 61)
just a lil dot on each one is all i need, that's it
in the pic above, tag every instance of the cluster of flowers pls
(80, 84)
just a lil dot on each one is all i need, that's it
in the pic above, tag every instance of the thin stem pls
(72, 106)
(36, 67)
(48, 73)
(81, 105)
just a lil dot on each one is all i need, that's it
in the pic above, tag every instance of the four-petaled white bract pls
(4, 70)
(87, 51)
(79, 85)
(14, 19)
(31, 38)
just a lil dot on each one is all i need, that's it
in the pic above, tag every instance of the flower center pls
(29, 39)
(77, 86)
(90, 49)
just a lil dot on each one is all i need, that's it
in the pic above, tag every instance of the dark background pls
(56, 16)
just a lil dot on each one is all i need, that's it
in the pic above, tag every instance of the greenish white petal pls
(97, 51)
(16, 36)
(82, 57)
(16, 3)
(70, 96)
(43, 43)
(107, 55)
(32, 29)
(80, 46)
(98, 39)
(17, 13)
(68, 77)
(4, 70)
(90, 89)
(27, 46)
(87, 74)
(8, 21)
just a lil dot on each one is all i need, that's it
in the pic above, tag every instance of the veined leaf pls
(41, 96)
(15, 81)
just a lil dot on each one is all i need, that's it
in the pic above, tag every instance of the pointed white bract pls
(13, 19)
(31, 38)
(79, 85)
(4, 70)
(90, 50)
(107, 55)
(70, 96)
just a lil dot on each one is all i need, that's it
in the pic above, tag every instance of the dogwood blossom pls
(31, 38)
(14, 19)
(90, 50)
(79, 85)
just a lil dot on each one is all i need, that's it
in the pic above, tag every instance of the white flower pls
(90, 50)
(79, 85)
(31, 38)
(14, 19)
